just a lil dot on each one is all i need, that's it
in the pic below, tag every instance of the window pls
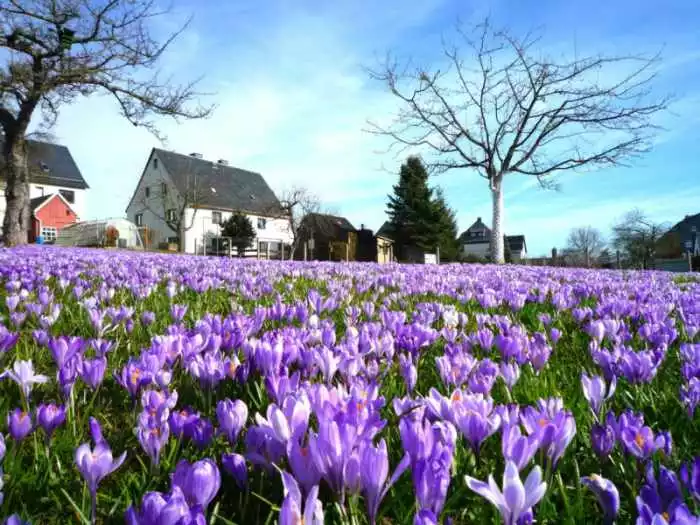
(262, 223)
(48, 233)
(163, 188)
(40, 189)
(216, 217)
(138, 219)
(170, 215)
(173, 240)
(147, 191)
(69, 195)
(67, 212)
(155, 163)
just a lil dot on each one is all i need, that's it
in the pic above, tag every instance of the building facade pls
(52, 170)
(180, 194)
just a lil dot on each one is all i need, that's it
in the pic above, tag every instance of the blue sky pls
(293, 99)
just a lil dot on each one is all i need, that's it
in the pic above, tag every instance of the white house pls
(476, 241)
(206, 193)
(52, 170)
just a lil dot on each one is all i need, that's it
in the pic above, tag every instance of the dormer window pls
(44, 167)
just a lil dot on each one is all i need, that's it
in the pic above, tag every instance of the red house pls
(50, 213)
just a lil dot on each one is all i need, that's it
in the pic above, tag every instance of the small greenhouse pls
(120, 233)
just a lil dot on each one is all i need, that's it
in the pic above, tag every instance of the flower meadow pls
(155, 389)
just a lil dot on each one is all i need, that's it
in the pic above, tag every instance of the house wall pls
(275, 231)
(153, 208)
(56, 214)
(385, 250)
(478, 249)
(38, 190)
(519, 256)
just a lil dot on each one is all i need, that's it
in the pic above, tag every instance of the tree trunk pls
(181, 236)
(15, 225)
(497, 248)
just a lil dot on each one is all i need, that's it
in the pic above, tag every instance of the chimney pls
(197, 155)
(223, 162)
(362, 226)
(478, 219)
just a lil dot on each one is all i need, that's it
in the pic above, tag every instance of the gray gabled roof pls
(233, 188)
(386, 231)
(51, 164)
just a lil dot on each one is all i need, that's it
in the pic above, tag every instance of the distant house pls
(50, 214)
(331, 238)
(52, 170)
(209, 192)
(476, 241)
(684, 236)
(385, 244)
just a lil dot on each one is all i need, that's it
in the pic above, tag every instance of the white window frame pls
(262, 221)
(138, 219)
(49, 233)
(170, 215)
(147, 192)
(215, 215)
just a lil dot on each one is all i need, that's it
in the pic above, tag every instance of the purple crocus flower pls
(374, 470)
(639, 442)
(510, 373)
(232, 417)
(476, 419)
(153, 437)
(133, 377)
(661, 501)
(236, 466)
(7, 339)
(518, 448)
(607, 495)
(151, 506)
(50, 417)
(201, 431)
(602, 439)
(293, 511)
(425, 517)
(177, 312)
(690, 475)
(596, 392)
(408, 370)
(517, 498)
(199, 481)
(93, 371)
(95, 464)
(19, 424)
(148, 318)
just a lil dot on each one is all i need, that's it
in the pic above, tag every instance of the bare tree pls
(296, 203)
(512, 110)
(636, 238)
(585, 243)
(57, 50)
